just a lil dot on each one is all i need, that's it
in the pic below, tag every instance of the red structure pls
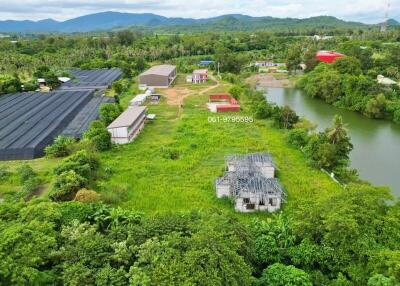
(328, 56)
(223, 102)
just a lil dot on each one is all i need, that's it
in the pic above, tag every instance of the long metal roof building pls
(91, 79)
(30, 121)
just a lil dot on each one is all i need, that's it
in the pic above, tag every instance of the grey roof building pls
(99, 79)
(128, 125)
(161, 76)
(30, 121)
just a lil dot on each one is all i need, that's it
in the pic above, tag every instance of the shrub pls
(281, 275)
(297, 137)
(98, 136)
(236, 91)
(25, 172)
(60, 148)
(82, 163)
(28, 188)
(109, 112)
(87, 196)
(263, 110)
(66, 186)
(4, 172)
(74, 210)
(285, 117)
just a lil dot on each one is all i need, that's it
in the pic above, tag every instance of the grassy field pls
(173, 164)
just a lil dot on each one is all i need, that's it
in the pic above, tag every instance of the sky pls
(367, 11)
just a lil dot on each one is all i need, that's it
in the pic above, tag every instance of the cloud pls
(357, 10)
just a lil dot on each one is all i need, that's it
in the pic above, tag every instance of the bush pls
(98, 136)
(285, 117)
(281, 275)
(74, 210)
(87, 196)
(236, 91)
(4, 172)
(66, 186)
(25, 172)
(297, 137)
(9, 84)
(263, 110)
(28, 188)
(61, 147)
(82, 163)
(109, 112)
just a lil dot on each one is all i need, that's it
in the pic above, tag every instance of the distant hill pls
(393, 22)
(113, 20)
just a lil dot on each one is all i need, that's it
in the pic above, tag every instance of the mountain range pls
(115, 20)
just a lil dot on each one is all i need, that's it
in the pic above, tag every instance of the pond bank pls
(270, 80)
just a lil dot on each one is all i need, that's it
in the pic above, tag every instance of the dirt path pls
(268, 80)
(177, 95)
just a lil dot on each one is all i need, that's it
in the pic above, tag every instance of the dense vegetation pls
(146, 213)
(351, 82)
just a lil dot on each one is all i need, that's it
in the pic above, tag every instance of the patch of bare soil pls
(268, 80)
(177, 95)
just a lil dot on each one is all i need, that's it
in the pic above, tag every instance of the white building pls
(385, 80)
(128, 125)
(249, 179)
(200, 76)
(138, 100)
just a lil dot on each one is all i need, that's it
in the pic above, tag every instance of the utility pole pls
(385, 24)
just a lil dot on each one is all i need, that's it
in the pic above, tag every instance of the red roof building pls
(328, 56)
(223, 102)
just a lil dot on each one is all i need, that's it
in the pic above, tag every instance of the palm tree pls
(338, 130)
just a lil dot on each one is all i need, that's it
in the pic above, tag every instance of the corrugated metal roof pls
(29, 121)
(91, 79)
(165, 70)
(128, 117)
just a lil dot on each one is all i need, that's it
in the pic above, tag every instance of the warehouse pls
(128, 125)
(99, 79)
(161, 76)
(30, 120)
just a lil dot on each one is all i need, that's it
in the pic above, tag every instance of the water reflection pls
(376, 152)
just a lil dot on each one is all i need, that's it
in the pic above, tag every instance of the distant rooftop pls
(200, 71)
(92, 79)
(165, 70)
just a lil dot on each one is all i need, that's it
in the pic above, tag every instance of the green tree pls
(236, 91)
(347, 65)
(98, 136)
(285, 117)
(282, 275)
(376, 107)
(9, 84)
(108, 112)
(66, 186)
(61, 147)
(294, 57)
(298, 137)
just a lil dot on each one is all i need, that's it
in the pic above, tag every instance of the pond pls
(376, 153)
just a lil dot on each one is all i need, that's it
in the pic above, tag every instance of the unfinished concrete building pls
(250, 180)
